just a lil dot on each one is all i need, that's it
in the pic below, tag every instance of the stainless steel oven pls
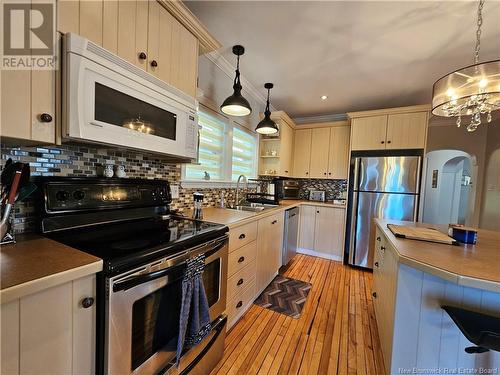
(143, 308)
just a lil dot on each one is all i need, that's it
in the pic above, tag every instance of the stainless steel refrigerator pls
(380, 187)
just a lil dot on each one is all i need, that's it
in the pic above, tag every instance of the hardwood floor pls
(336, 333)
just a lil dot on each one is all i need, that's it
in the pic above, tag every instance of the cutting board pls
(421, 234)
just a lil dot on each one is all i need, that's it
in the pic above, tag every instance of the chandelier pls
(471, 91)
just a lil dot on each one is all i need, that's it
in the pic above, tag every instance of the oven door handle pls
(210, 249)
(133, 281)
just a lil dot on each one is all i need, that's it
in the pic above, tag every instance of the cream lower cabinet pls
(50, 332)
(385, 270)
(254, 260)
(321, 231)
(269, 245)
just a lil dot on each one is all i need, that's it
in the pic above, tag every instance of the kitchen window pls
(226, 151)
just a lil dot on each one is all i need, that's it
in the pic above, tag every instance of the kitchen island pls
(412, 280)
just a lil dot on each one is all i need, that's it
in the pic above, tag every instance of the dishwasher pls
(290, 235)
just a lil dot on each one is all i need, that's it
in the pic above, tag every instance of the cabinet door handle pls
(240, 281)
(242, 236)
(382, 142)
(239, 304)
(87, 302)
(376, 264)
(324, 173)
(242, 259)
(317, 212)
(45, 117)
(388, 141)
(330, 173)
(379, 239)
(286, 171)
(382, 248)
(274, 221)
(374, 294)
(307, 173)
(142, 56)
(154, 64)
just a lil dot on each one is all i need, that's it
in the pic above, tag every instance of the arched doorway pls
(448, 187)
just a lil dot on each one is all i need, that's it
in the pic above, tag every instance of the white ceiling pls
(362, 54)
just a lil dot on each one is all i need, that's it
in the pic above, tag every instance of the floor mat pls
(284, 295)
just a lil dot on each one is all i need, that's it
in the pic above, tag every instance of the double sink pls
(253, 207)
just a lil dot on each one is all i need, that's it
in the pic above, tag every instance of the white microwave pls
(107, 100)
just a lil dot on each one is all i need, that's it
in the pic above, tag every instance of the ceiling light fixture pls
(266, 125)
(324, 97)
(471, 91)
(236, 104)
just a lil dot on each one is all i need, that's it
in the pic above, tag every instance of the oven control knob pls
(79, 195)
(62, 195)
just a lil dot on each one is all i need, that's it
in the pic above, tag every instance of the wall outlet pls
(175, 191)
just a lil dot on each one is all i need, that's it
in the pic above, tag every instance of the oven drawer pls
(240, 280)
(241, 257)
(242, 235)
(237, 306)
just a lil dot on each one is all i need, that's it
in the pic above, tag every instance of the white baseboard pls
(318, 254)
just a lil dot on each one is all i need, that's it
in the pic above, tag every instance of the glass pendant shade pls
(267, 125)
(471, 91)
(236, 104)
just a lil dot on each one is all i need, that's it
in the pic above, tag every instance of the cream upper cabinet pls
(320, 143)
(302, 153)
(368, 133)
(28, 105)
(286, 134)
(406, 130)
(338, 156)
(389, 129)
(140, 31)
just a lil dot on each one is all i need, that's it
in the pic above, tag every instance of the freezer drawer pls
(375, 205)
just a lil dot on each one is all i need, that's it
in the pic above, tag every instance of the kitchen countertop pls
(36, 263)
(234, 218)
(476, 266)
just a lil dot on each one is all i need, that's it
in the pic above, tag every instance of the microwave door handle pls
(133, 281)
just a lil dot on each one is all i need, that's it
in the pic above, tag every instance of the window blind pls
(244, 152)
(211, 153)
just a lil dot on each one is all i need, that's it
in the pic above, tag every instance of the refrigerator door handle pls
(356, 173)
(352, 228)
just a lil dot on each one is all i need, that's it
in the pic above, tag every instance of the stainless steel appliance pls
(317, 195)
(144, 251)
(380, 187)
(286, 189)
(290, 236)
(108, 100)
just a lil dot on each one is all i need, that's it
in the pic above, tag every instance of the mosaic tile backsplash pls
(71, 161)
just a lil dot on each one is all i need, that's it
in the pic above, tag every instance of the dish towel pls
(194, 323)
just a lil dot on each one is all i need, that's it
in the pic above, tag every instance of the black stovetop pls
(128, 244)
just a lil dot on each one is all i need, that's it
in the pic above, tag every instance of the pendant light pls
(236, 104)
(471, 91)
(266, 125)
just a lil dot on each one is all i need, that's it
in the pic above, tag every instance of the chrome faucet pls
(237, 199)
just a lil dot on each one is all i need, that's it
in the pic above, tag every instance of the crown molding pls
(322, 118)
(225, 66)
(181, 12)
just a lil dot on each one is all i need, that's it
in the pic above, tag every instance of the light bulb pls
(483, 83)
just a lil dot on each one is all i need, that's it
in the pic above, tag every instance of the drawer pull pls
(242, 236)
(239, 304)
(154, 63)
(45, 117)
(379, 239)
(142, 56)
(376, 264)
(87, 302)
(374, 294)
(274, 221)
(240, 281)
(242, 259)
